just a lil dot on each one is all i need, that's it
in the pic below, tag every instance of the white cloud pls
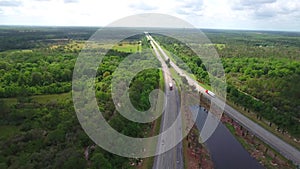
(143, 6)
(230, 14)
(190, 7)
(255, 2)
(71, 1)
(11, 3)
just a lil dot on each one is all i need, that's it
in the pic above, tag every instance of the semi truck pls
(171, 86)
(210, 93)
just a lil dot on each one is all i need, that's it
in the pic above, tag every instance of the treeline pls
(247, 38)
(36, 37)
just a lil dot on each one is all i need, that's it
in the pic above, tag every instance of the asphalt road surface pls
(173, 158)
(279, 145)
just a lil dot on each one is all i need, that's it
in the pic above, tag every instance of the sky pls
(215, 14)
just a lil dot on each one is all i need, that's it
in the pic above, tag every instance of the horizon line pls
(86, 26)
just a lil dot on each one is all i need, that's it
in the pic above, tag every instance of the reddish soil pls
(198, 156)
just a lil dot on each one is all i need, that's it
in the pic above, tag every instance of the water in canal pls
(226, 152)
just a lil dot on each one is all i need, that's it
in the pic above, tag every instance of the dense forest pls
(38, 124)
(262, 71)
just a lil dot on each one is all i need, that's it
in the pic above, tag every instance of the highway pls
(173, 158)
(276, 143)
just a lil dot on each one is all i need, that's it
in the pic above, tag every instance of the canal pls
(226, 152)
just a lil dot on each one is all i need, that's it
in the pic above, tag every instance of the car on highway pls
(171, 86)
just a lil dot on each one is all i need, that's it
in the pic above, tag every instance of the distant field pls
(126, 47)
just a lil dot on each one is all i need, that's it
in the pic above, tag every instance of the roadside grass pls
(205, 86)
(241, 140)
(161, 96)
(161, 81)
(176, 77)
(147, 163)
(170, 55)
(230, 128)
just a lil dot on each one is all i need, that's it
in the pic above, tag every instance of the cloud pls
(182, 12)
(190, 7)
(266, 9)
(71, 1)
(263, 13)
(249, 4)
(65, 1)
(289, 7)
(42, 0)
(255, 2)
(194, 5)
(10, 3)
(142, 6)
